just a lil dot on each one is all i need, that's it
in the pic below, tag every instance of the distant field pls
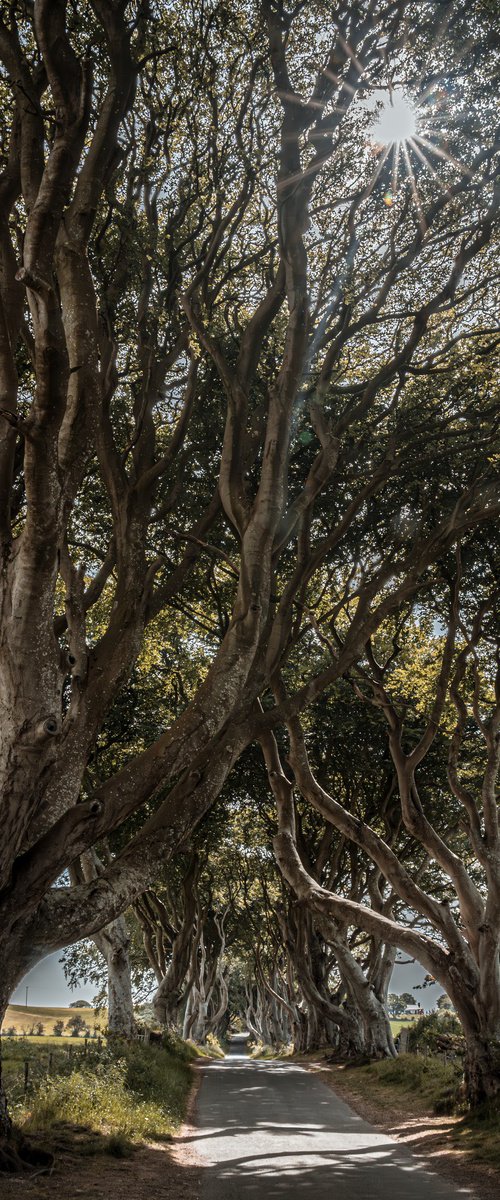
(23, 1018)
(396, 1026)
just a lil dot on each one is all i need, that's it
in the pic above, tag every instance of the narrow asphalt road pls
(273, 1130)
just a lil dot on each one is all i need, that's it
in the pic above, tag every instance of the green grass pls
(479, 1135)
(398, 1025)
(126, 1094)
(433, 1083)
(418, 1086)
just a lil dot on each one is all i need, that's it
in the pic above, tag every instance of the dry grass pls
(22, 1018)
(405, 1096)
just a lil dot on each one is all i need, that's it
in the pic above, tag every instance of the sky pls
(47, 986)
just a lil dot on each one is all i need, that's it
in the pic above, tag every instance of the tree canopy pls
(249, 460)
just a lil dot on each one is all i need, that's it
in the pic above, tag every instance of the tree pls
(209, 377)
(444, 1003)
(462, 948)
(76, 1024)
(58, 1028)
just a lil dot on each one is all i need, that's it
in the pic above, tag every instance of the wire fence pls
(25, 1068)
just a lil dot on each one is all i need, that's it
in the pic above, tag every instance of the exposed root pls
(17, 1155)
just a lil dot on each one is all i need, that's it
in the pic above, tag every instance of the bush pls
(133, 1092)
(437, 1033)
(434, 1082)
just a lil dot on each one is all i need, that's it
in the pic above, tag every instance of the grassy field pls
(23, 1018)
(398, 1025)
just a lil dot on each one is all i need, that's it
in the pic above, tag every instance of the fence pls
(25, 1071)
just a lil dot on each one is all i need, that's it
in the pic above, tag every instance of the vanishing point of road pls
(272, 1130)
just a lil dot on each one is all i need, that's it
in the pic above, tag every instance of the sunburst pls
(398, 132)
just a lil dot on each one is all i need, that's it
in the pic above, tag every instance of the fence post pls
(26, 1074)
(49, 1071)
(85, 1048)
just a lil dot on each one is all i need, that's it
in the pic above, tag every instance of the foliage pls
(250, 476)
(76, 1024)
(130, 1092)
(433, 1083)
(439, 1033)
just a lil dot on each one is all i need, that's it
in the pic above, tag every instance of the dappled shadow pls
(83, 1171)
(270, 1129)
(351, 1176)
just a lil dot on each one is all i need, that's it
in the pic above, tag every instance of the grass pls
(398, 1025)
(432, 1083)
(479, 1135)
(33, 1039)
(422, 1086)
(118, 1098)
(23, 1018)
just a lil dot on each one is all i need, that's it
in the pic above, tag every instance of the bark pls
(113, 942)
(168, 997)
(455, 969)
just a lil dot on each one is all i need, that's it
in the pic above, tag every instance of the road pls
(272, 1130)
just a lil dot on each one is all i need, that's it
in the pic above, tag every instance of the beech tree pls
(451, 923)
(221, 300)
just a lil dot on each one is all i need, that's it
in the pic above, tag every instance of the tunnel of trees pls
(249, 500)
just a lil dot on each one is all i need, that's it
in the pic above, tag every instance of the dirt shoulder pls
(424, 1134)
(160, 1170)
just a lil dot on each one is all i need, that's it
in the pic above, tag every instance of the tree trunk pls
(16, 1154)
(168, 997)
(482, 1069)
(481, 1026)
(113, 943)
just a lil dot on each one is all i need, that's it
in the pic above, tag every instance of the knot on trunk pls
(47, 728)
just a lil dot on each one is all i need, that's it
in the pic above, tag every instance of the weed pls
(131, 1093)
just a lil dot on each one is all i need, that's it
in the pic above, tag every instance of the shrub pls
(438, 1033)
(133, 1092)
(434, 1082)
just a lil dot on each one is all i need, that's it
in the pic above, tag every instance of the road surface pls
(272, 1130)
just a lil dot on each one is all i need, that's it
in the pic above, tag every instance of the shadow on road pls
(270, 1129)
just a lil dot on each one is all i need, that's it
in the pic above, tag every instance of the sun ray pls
(383, 159)
(454, 61)
(395, 168)
(443, 154)
(348, 50)
(423, 158)
(441, 29)
(341, 83)
(416, 197)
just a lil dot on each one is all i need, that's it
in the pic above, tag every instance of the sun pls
(396, 121)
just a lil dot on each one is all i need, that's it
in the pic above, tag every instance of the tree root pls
(17, 1155)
